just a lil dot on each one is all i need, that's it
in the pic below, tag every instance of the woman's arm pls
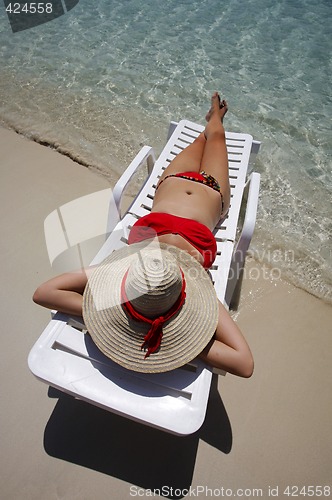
(63, 293)
(228, 350)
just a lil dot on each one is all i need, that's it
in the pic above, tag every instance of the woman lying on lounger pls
(191, 196)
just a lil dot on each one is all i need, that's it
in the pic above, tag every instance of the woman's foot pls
(215, 116)
(217, 106)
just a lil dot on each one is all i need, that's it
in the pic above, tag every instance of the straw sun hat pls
(150, 307)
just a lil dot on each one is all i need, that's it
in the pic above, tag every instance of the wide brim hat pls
(120, 337)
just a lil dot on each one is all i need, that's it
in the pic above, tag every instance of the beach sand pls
(268, 432)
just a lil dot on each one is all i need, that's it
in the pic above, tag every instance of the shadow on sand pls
(148, 458)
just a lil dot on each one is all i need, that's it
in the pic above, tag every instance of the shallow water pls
(106, 78)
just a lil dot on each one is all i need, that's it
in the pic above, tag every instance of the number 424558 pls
(29, 8)
(309, 491)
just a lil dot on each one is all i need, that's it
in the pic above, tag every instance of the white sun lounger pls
(66, 358)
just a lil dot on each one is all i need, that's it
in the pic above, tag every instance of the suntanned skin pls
(228, 350)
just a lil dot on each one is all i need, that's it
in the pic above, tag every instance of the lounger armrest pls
(171, 128)
(255, 147)
(232, 294)
(145, 154)
(250, 215)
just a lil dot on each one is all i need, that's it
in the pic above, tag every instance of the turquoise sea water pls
(106, 78)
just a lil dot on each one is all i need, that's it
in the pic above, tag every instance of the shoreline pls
(264, 257)
(258, 268)
(52, 145)
(273, 429)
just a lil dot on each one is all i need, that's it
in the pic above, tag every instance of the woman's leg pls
(195, 157)
(215, 158)
(189, 159)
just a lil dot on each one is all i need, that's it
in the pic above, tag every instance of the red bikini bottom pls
(157, 224)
